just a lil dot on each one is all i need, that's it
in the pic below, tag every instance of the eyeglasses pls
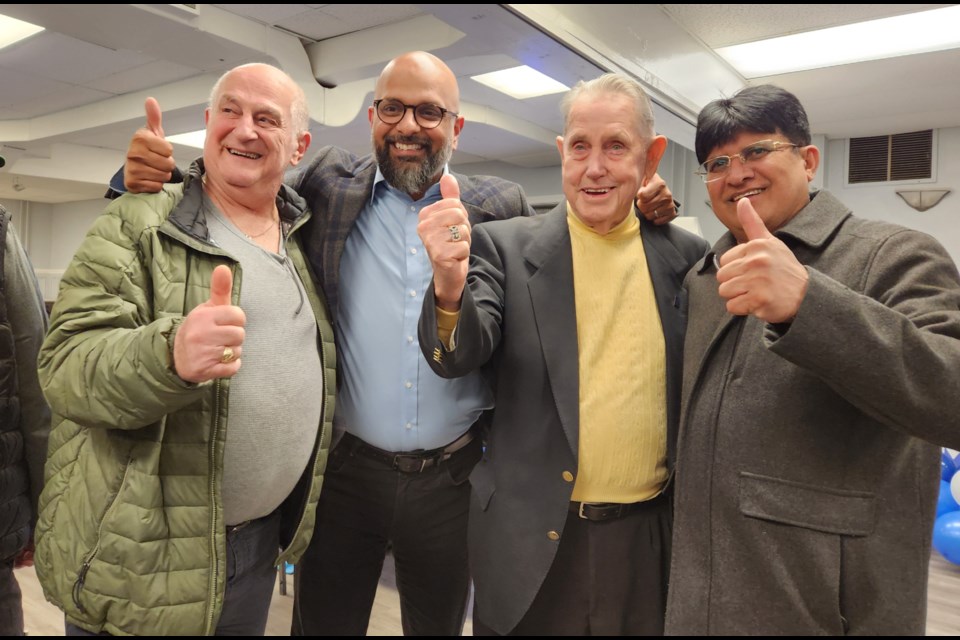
(717, 167)
(428, 116)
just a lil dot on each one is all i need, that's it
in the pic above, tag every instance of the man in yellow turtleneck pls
(577, 317)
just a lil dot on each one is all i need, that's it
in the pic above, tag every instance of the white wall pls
(51, 234)
(872, 201)
(880, 202)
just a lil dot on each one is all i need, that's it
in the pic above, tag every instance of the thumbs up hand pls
(150, 160)
(761, 276)
(445, 232)
(210, 339)
(655, 201)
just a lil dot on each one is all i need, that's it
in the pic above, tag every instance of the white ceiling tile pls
(59, 57)
(364, 16)
(60, 100)
(148, 75)
(267, 13)
(20, 86)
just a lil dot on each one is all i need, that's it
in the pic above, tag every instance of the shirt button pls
(408, 385)
(409, 425)
(413, 294)
(409, 339)
(567, 476)
(413, 250)
(553, 535)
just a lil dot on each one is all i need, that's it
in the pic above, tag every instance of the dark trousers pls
(251, 552)
(608, 578)
(366, 504)
(11, 607)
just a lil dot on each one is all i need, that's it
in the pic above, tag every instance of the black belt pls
(603, 511)
(410, 461)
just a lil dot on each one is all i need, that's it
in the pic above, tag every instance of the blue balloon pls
(946, 536)
(945, 501)
(948, 465)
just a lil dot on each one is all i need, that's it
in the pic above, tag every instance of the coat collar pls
(188, 215)
(812, 226)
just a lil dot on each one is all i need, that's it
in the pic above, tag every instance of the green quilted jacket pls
(131, 537)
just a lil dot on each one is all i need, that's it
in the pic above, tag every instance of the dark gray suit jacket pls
(519, 320)
(337, 185)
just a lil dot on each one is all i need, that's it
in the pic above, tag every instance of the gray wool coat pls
(808, 464)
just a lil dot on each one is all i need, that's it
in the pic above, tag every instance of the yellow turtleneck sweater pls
(623, 382)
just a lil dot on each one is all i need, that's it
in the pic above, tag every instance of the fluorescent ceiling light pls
(521, 82)
(13, 30)
(190, 139)
(921, 32)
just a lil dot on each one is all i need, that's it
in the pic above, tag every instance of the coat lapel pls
(554, 310)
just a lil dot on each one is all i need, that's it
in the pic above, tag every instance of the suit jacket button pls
(553, 535)
(568, 476)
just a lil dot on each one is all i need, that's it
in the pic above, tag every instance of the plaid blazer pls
(337, 186)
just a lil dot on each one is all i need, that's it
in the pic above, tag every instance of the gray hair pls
(299, 111)
(615, 83)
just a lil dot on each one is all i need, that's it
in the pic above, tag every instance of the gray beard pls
(413, 178)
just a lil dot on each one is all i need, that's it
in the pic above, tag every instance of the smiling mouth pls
(403, 146)
(746, 194)
(244, 154)
(597, 191)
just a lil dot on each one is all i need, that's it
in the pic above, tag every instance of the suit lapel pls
(345, 210)
(667, 269)
(554, 310)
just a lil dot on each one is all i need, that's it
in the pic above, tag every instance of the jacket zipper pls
(85, 567)
(323, 418)
(215, 577)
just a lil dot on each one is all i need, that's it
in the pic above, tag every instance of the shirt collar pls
(378, 180)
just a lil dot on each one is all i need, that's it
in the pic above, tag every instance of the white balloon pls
(955, 487)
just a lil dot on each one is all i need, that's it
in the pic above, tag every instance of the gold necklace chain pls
(265, 231)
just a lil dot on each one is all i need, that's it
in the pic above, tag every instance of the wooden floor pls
(43, 619)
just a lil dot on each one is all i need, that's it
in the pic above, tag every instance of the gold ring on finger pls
(228, 355)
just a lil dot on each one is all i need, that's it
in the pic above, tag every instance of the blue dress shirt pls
(388, 396)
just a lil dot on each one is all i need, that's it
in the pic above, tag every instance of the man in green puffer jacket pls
(189, 439)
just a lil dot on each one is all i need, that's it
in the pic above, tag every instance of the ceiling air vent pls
(904, 156)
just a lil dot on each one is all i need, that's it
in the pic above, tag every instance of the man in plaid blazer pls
(404, 438)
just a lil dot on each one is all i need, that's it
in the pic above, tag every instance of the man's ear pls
(303, 141)
(811, 160)
(457, 128)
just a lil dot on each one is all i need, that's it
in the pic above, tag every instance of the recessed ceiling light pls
(920, 32)
(13, 30)
(521, 82)
(190, 139)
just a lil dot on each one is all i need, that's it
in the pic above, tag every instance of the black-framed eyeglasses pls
(427, 115)
(717, 167)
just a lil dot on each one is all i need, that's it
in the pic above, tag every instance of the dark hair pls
(761, 109)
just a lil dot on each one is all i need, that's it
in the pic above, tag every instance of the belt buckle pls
(431, 461)
(580, 511)
(413, 463)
